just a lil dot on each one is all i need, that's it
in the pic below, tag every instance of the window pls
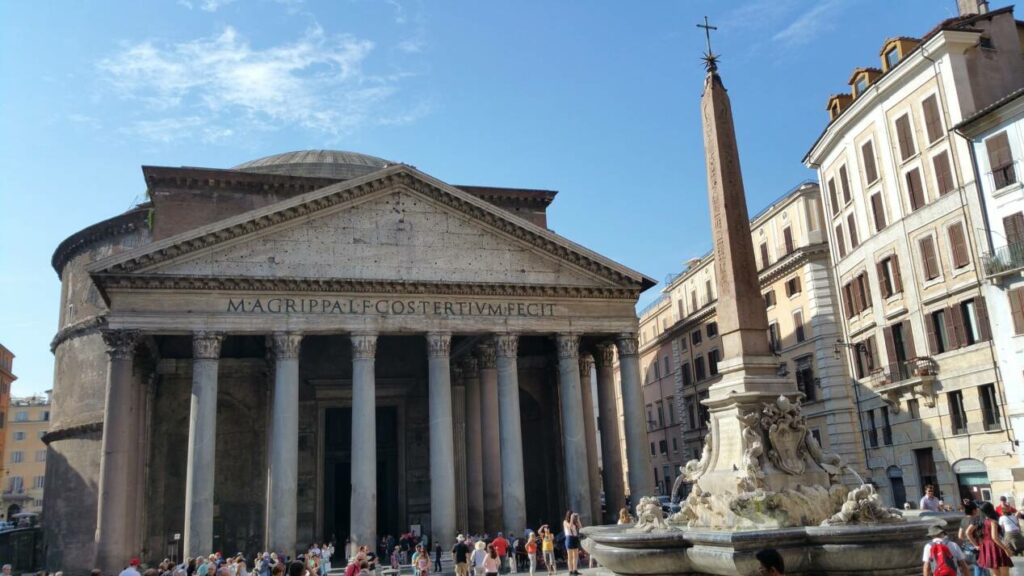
(958, 243)
(899, 345)
(653, 452)
(693, 300)
(840, 241)
(857, 295)
(712, 329)
(943, 174)
(1013, 227)
(21, 416)
(793, 286)
(892, 58)
(17, 457)
(769, 299)
(695, 337)
(666, 368)
(774, 341)
(16, 484)
(932, 120)
(1000, 160)
(915, 191)
(764, 255)
(989, 406)
(929, 260)
(709, 293)
(38, 481)
(878, 210)
(904, 135)
(914, 407)
(713, 362)
(854, 241)
(698, 368)
(872, 429)
(1017, 309)
(816, 434)
(19, 435)
(805, 378)
(798, 325)
(670, 402)
(937, 339)
(687, 378)
(833, 202)
(705, 413)
(682, 343)
(975, 321)
(675, 445)
(889, 276)
(865, 357)
(787, 235)
(662, 447)
(844, 183)
(861, 84)
(46, 416)
(690, 407)
(660, 407)
(957, 415)
(886, 427)
(682, 308)
(867, 153)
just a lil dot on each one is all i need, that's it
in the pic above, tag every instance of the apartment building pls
(7, 378)
(681, 347)
(996, 136)
(25, 460)
(906, 234)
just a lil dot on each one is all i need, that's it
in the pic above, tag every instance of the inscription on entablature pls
(388, 307)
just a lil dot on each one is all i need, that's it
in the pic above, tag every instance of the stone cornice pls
(118, 225)
(305, 205)
(187, 178)
(790, 262)
(76, 431)
(85, 327)
(341, 285)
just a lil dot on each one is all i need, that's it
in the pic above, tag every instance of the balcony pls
(1005, 260)
(915, 377)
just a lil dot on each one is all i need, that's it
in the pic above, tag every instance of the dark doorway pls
(338, 472)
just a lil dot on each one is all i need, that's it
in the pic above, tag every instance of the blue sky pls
(597, 99)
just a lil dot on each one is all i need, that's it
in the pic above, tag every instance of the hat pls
(936, 530)
(460, 538)
(134, 562)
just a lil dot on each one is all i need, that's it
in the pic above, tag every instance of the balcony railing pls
(1006, 259)
(902, 371)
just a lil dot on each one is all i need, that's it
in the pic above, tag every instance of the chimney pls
(969, 7)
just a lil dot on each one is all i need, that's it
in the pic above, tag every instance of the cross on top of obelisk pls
(710, 59)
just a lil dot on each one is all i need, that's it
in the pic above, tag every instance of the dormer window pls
(861, 85)
(892, 57)
(835, 110)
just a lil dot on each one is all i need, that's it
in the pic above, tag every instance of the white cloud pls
(411, 46)
(819, 19)
(206, 5)
(220, 85)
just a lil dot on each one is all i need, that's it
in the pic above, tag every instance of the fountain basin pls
(882, 549)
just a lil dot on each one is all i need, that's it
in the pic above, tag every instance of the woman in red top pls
(531, 551)
(992, 553)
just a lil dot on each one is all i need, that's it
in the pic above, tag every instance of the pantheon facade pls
(327, 345)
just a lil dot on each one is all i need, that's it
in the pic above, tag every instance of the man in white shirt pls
(132, 569)
(929, 501)
(938, 534)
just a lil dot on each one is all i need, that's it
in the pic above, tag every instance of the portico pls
(388, 347)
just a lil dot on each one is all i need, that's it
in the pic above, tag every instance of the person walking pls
(132, 569)
(548, 548)
(571, 527)
(993, 555)
(422, 561)
(492, 563)
(531, 551)
(942, 557)
(437, 557)
(460, 556)
(1011, 530)
(500, 545)
(479, 554)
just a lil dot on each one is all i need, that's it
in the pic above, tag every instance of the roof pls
(335, 164)
(1018, 93)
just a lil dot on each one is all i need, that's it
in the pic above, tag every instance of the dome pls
(336, 164)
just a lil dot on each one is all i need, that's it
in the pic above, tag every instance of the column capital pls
(206, 345)
(121, 344)
(586, 363)
(627, 343)
(285, 344)
(364, 345)
(568, 345)
(605, 356)
(439, 344)
(487, 355)
(470, 365)
(507, 345)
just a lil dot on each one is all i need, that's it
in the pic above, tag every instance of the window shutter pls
(868, 154)
(929, 324)
(872, 353)
(998, 148)
(943, 175)
(878, 211)
(880, 270)
(1017, 308)
(764, 255)
(866, 288)
(858, 296)
(854, 241)
(956, 322)
(927, 246)
(796, 284)
(840, 241)
(983, 326)
(848, 300)
(844, 183)
(956, 239)
(833, 201)
(787, 233)
(915, 192)
(1013, 225)
(906, 141)
(933, 126)
(890, 346)
(908, 340)
(896, 273)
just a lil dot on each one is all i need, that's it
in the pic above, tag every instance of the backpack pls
(942, 560)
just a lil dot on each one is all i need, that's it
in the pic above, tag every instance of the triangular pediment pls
(396, 225)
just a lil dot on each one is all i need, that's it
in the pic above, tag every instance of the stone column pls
(442, 450)
(202, 444)
(513, 491)
(282, 510)
(459, 439)
(590, 429)
(364, 441)
(474, 445)
(574, 443)
(640, 481)
(611, 453)
(118, 460)
(490, 447)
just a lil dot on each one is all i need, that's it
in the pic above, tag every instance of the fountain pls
(762, 479)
